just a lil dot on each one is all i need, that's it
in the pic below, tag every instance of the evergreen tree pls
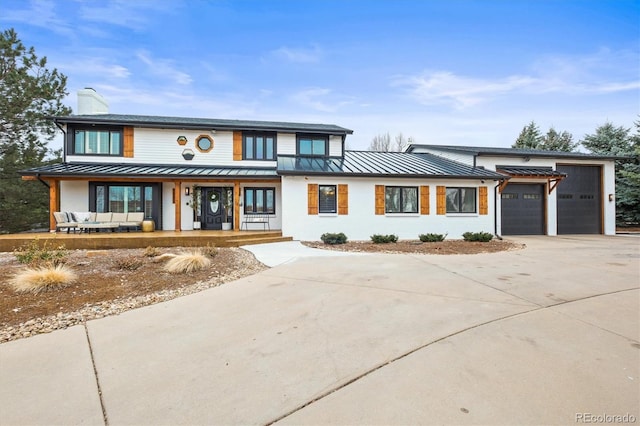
(554, 141)
(29, 93)
(529, 138)
(611, 140)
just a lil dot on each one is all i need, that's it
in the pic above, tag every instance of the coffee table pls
(88, 226)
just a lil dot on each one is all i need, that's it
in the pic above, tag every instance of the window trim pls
(312, 136)
(335, 199)
(475, 199)
(254, 189)
(110, 129)
(264, 135)
(417, 208)
(197, 143)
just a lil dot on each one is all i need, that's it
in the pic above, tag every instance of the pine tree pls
(29, 93)
(529, 138)
(554, 141)
(611, 140)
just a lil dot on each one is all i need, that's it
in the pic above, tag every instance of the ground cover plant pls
(483, 237)
(384, 239)
(332, 238)
(431, 238)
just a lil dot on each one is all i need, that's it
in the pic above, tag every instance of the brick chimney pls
(90, 102)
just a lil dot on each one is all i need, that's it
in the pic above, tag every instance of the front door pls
(212, 208)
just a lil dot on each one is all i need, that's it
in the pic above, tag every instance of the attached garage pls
(523, 208)
(580, 200)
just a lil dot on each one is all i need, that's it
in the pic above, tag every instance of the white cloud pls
(164, 68)
(133, 14)
(320, 99)
(299, 55)
(39, 13)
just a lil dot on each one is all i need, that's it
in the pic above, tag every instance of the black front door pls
(212, 208)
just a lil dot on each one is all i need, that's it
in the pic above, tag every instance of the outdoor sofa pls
(90, 220)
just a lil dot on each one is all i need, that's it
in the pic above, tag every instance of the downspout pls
(64, 141)
(495, 209)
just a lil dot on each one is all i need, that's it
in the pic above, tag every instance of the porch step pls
(259, 240)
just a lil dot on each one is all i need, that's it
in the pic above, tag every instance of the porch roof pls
(99, 170)
(383, 164)
(522, 171)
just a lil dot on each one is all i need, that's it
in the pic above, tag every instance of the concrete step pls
(260, 240)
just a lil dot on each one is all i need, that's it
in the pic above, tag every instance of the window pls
(259, 146)
(204, 143)
(259, 200)
(97, 142)
(327, 199)
(461, 200)
(401, 199)
(120, 197)
(313, 145)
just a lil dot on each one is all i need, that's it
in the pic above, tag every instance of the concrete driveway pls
(545, 335)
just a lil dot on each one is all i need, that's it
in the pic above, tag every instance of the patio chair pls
(64, 222)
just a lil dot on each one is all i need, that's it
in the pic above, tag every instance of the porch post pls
(177, 200)
(54, 202)
(236, 205)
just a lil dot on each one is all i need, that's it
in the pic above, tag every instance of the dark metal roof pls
(202, 123)
(386, 164)
(516, 171)
(514, 152)
(97, 170)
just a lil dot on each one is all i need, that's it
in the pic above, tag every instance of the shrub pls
(130, 263)
(210, 251)
(187, 262)
(36, 280)
(329, 238)
(483, 237)
(383, 239)
(432, 238)
(35, 255)
(151, 251)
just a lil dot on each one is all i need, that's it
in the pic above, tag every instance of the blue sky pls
(442, 72)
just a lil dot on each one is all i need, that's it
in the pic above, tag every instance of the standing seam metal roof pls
(511, 152)
(387, 164)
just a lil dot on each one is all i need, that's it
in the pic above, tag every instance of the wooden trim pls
(197, 139)
(237, 146)
(127, 139)
(178, 207)
(343, 199)
(379, 194)
(441, 200)
(312, 198)
(424, 200)
(236, 205)
(484, 201)
(54, 202)
(33, 178)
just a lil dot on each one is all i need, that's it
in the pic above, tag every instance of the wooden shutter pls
(441, 200)
(484, 203)
(237, 146)
(127, 148)
(343, 199)
(312, 198)
(379, 199)
(424, 200)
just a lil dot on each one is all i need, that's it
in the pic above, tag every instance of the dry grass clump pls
(36, 280)
(209, 250)
(129, 263)
(151, 251)
(187, 262)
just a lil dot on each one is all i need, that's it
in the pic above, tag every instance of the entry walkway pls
(544, 335)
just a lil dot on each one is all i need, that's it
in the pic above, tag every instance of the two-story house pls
(298, 175)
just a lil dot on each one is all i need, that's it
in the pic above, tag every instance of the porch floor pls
(112, 240)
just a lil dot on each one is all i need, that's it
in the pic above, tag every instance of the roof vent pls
(90, 102)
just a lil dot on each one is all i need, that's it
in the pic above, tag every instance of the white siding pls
(74, 196)
(362, 222)
(335, 146)
(286, 144)
(455, 156)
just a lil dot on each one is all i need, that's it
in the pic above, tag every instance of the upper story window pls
(461, 200)
(401, 199)
(259, 146)
(97, 142)
(204, 143)
(314, 145)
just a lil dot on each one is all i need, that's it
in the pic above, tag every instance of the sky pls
(455, 72)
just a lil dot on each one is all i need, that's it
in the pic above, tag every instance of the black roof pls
(201, 123)
(387, 164)
(529, 171)
(511, 152)
(148, 171)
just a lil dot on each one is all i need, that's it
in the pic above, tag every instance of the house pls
(302, 179)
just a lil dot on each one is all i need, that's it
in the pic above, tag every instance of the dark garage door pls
(523, 209)
(580, 200)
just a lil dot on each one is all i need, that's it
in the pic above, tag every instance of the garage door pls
(580, 200)
(523, 209)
